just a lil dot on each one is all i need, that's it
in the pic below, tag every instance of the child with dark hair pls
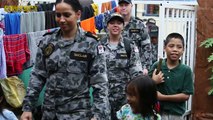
(5, 114)
(175, 82)
(141, 96)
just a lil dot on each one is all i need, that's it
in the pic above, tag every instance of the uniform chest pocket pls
(52, 63)
(121, 60)
(135, 33)
(79, 62)
(137, 36)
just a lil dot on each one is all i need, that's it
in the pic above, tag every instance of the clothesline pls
(33, 2)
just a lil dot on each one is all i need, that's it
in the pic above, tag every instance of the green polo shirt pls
(177, 80)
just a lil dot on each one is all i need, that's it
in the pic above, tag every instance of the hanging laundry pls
(50, 20)
(33, 41)
(32, 22)
(99, 22)
(87, 12)
(113, 4)
(17, 53)
(89, 25)
(106, 6)
(95, 8)
(3, 73)
(86, 2)
(12, 23)
(45, 6)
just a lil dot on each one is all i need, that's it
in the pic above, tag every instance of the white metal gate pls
(174, 17)
(180, 19)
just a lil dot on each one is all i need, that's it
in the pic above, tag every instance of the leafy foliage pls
(208, 43)
(210, 92)
(210, 58)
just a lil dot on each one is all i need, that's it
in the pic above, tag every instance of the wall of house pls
(202, 108)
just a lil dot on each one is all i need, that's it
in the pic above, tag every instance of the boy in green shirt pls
(174, 81)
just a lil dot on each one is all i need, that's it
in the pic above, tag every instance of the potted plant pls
(208, 43)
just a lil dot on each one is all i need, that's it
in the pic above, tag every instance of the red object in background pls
(157, 107)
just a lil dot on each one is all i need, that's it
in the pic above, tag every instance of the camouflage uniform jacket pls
(154, 52)
(63, 65)
(120, 68)
(137, 32)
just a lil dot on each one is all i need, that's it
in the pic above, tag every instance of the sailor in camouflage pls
(68, 66)
(154, 53)
(153, 33)
(123, 62)
(136, 31)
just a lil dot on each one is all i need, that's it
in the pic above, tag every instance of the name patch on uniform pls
(121, 56)
(80, 56)
(48, 50)
(134, 31)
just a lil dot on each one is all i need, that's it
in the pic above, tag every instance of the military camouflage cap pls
(115, 16)
(127, 1)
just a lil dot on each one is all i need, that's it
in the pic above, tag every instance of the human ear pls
(164, 48)
(78, 14)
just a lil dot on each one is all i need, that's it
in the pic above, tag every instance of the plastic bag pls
(14, 91)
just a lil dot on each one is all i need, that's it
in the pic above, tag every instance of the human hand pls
(157, 78)
(145, 72)
(26, 116)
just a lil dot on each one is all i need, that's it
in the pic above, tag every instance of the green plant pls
(208, 43)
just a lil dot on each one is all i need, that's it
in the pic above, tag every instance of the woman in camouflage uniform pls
(69, 61)
(123, 62)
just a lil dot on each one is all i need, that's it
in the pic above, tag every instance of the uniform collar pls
(164, 65)
(132, 20)
(121, 43)
(80, 35)
(106, 41)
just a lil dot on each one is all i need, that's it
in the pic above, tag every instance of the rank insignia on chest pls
(80, 56)
(48, 50)
(134, 30)
(100, 49)
(121, 56)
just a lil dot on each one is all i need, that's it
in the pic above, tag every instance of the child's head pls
(142, 95)
(174, 46)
